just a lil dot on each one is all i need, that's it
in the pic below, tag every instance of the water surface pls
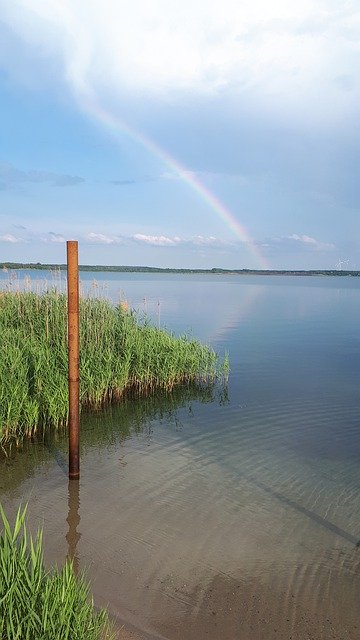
(201, 515)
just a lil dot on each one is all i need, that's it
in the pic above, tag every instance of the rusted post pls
(73, 347)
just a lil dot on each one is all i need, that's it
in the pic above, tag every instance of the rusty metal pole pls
(73, 347)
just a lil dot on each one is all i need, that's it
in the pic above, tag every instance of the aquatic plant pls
(120, 353)
(36, 604)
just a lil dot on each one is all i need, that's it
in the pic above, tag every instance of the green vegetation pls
(215, 270)
(119, 354)
(40, 605)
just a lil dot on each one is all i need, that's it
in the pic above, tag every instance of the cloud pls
(203, 240)
(303, 238)
(297, 242)
(101, 238)
(8, 237)
(53, 237)
(279, 50)
(30, 236)
(158, 241)
(308, 240)
(166, 241)
(10, 176)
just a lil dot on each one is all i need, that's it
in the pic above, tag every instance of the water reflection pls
(163, 298)
(101, 428)
(73, 535)
(135, 415)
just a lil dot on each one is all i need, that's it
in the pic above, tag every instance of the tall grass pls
(40, 605)
(118, 354)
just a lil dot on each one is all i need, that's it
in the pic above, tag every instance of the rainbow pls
(116, 124)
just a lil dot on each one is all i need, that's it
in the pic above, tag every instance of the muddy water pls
(205, 516)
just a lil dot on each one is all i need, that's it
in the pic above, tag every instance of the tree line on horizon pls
(144, 269)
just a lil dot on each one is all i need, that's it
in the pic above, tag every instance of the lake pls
(218, 513)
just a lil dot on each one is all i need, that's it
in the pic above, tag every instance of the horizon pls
(149, 268)
(228, 139)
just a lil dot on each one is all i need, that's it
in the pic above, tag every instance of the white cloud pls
(53, 237)
(204, 240)
(159, 241)
(308, 240)
(101, 238)
(165, 241)
(304, 239)
(296, 241)
(92, 237)
(31, 236)
(8, 237)
(283, 49)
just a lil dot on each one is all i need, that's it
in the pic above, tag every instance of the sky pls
(180, 134)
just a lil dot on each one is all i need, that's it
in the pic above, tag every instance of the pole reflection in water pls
(73, 520)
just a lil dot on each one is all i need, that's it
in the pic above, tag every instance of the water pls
(205, 516)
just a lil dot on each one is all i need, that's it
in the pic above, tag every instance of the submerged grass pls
(119, 354)
(40, 605)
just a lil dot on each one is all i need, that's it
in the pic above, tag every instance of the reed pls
(36, 604)
(119, 354)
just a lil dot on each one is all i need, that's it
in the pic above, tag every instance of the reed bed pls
(36, 604)
(120, 353)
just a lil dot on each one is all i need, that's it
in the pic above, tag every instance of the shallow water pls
(202, 515)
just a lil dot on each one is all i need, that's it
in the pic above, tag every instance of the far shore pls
(5, 266)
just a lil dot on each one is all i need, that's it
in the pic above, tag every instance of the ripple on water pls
(238, 520)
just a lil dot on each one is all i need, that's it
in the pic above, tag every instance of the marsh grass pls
(36, 604)
(119, 354)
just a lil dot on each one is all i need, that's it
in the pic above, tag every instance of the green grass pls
(36, 604)
(119, 354)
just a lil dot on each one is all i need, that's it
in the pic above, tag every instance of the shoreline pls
(6, 266)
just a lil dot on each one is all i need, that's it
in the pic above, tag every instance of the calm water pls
(206, 515)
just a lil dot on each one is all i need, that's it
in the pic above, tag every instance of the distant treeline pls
(131, 269)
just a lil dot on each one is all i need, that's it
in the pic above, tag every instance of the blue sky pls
(181, 134)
